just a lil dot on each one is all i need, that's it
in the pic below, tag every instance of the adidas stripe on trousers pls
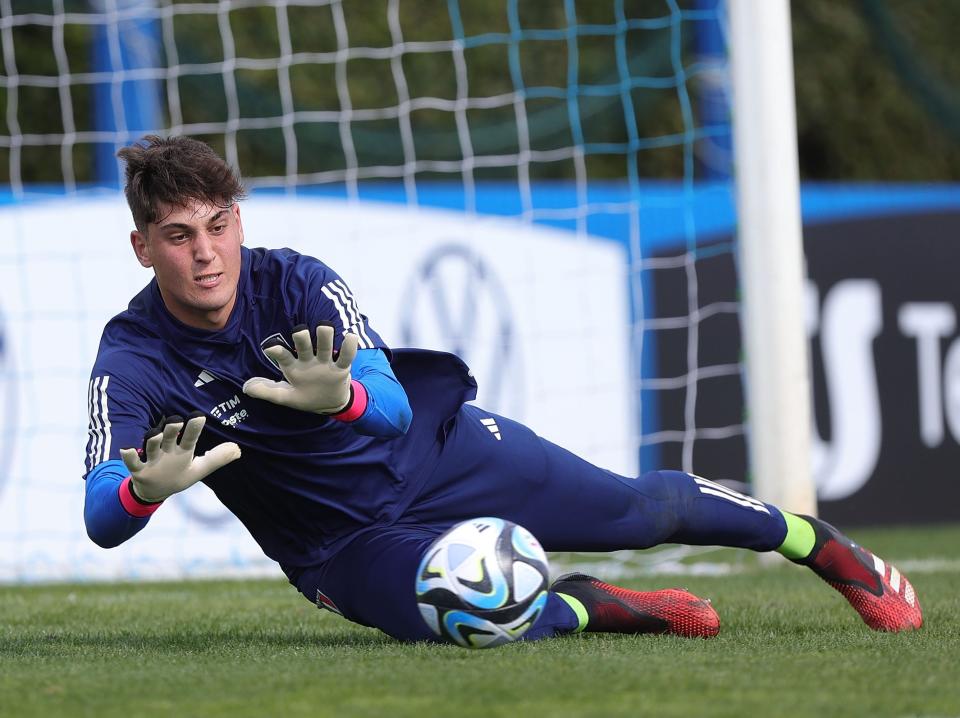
(566, 502)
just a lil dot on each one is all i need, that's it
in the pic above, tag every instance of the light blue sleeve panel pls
(108, 523)
(388, 412)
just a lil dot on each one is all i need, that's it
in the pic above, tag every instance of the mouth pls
(208, 280)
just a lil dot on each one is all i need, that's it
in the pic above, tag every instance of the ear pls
(236, 215)
(138, 241)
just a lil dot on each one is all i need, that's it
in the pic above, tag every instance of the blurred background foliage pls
(878, 89)
(877, 84)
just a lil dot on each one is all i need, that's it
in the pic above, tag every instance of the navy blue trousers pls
(566, 502)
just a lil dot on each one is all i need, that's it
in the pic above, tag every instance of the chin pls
(215, 298)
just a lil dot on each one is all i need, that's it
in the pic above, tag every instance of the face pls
(194, 251)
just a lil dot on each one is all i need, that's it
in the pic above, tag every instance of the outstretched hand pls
(169, 466)
(315, 382)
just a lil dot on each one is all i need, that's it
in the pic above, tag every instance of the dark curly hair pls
(171, 171)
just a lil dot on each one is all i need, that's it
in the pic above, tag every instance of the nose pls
(203, 248)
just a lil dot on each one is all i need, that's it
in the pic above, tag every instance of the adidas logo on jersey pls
(491, 424)
(204, 377)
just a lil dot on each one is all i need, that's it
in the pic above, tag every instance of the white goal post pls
(771, 254)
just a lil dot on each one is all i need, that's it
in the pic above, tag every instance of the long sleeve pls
(379, 406)
(119, 414)
(111, 513)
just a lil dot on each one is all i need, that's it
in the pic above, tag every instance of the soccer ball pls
(482, 583)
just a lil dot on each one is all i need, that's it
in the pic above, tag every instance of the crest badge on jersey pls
(273, 340)
(326, 603)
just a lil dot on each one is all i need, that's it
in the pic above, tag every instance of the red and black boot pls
(882, 596)
(611, 609)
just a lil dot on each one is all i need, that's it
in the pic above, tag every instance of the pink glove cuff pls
(357, 404)
(130, 503)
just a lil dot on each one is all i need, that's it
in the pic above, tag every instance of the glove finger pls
(151, 447)
(324, 342)
(191, 432)
(267, 389)
(155, 431)
(170, 433)
(131, 458)
(218, 457)
(301, 340)
(280, 354)
(348, 351)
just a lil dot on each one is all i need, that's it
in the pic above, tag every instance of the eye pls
(217, 229)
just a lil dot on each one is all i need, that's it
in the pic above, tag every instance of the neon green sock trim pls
(800, 537)
(579, 609)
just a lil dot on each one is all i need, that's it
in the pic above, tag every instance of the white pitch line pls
(929, 565)
(609, 570)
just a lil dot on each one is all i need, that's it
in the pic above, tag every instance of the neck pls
(210, 320)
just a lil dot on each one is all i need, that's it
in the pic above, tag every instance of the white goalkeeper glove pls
(314, 381)
(169, 466)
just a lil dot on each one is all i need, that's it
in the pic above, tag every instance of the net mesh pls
(588, 117)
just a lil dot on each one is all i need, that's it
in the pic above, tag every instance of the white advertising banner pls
(541, 315)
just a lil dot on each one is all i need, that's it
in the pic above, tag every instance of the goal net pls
(542, 187)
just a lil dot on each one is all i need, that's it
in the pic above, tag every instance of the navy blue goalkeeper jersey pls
(305, 482)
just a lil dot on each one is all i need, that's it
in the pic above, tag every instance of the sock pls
(579, 610)
(800, 538)
(560, 617)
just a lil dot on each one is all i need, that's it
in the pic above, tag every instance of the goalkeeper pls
(255, 372)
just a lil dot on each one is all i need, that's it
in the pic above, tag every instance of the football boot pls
(611, 609)
(882, 595)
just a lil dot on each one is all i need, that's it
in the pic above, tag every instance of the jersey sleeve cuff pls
(357, 404)
(132, 504)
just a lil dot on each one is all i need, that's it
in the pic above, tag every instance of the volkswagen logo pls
(456, 303)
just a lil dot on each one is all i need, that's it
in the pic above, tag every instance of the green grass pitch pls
(789, 646)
